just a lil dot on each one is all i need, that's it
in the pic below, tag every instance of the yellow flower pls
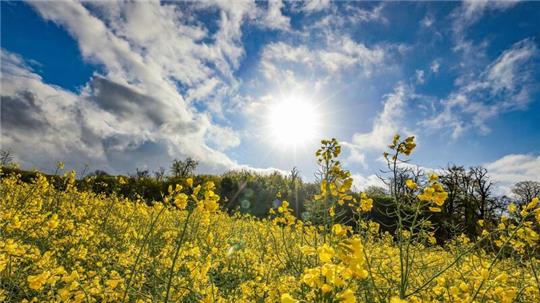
(347, 296)
(64, 294)
(101, 234)
(310, 278)
(463, 287)
(189, 182)
(121, 180)
(326, 288)
(114, 280)
(338, 230)
(112, 283)
(286, 298)
(532, 204)
(180, 200)
(53, 221)
(10, 247)
(512, 208)
(440, 197)
(366, 205)
(411, 184)
(423, 197)
(74, 276)
(325, 253)
(396, 299)
(435, 209)
(502, 277)
(36, 282)
(308, 250)
(395, 139)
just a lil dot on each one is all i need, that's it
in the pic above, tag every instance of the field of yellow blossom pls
(73, 246)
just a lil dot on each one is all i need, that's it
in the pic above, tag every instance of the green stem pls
(176, 254)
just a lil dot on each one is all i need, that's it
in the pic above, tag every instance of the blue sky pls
(120, 85)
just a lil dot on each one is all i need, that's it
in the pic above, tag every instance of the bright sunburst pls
(293, 121)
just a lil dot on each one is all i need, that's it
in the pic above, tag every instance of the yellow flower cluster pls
(405, 147)
(284, 215)
(72, 246)
(337, 271)
(336, 183)
(433, 193)
(521, 231)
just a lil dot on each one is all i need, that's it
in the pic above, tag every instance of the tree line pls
(471, 192)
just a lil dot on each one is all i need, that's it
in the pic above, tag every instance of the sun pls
(293, 121)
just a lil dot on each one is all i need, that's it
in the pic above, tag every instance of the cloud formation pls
(133, 112)
(387, 123)
(105, 120)
(176, 79)
(514, 168)
(506, 84)
(338, 54)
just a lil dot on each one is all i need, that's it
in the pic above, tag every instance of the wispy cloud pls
(427, 21)
(506, 84)
(310, 6)
(387, 123)
(273, 18)
(435, 66)
(335, 55)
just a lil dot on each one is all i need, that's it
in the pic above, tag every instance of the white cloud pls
(39, 120)
(420, 76)
(222, 137)
(315, 5)
(361, 182)
(359, 15)
(355, 154)
(351, 14)
(134, 113)
(435, 66)
(338, 54)
(288, 53)
(262, 171)
(427, 21)
(464, 16)
(472, 10)
(205, 89)
(505, 85)
(107, 121)
(510, 73)
(386, 124)
(513, 168)
(274, 17)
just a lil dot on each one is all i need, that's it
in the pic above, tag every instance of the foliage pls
(526, 191)
(184, 168)
(6, 157)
